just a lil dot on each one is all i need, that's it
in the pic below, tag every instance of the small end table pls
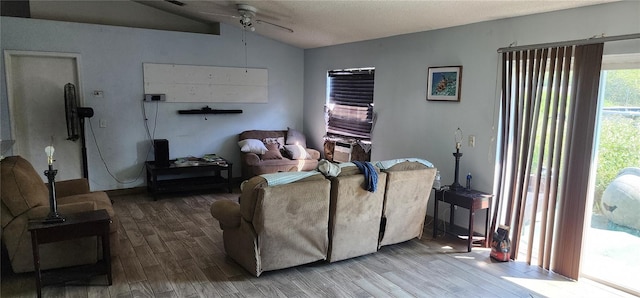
(76, 225)
(466, 198)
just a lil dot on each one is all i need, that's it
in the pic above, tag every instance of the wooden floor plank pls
(145, 255)
(141, 289)
(182, 285)
(371, 288)
(158, 280)
(156, 244)
(120, 286)
(219, 280)
(133, 270)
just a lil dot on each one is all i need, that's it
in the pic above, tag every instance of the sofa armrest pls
(315, 154)
(41, 212)
(72, 187)
(227, 213)
(251, 159)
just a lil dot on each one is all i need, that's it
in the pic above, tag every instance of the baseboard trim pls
(126, 191)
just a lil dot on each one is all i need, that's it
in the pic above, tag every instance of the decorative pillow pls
(253, 146)
(279, 141)
(295, 137)
(272, 153)
(297, 152)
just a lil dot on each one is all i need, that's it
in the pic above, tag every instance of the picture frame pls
(444, 83)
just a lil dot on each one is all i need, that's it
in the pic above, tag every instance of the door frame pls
(8, 69)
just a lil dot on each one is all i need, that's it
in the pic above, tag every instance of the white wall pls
(112, 60)
(410, 126)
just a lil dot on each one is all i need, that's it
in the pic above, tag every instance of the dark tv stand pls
(191, 177)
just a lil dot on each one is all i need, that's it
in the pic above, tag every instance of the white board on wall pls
(195, 83)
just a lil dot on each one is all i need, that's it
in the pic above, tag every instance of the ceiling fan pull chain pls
(244, 41)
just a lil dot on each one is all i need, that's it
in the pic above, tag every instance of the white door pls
(35, 83)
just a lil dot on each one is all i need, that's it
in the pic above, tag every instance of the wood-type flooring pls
(173, 247)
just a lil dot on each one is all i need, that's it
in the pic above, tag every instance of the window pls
(350, 103)
(349, 112)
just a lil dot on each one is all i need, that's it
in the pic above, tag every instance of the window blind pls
(350, 111)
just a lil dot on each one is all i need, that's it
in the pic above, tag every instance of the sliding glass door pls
(610, 254)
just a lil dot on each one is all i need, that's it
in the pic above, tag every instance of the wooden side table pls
(466, 198)
(77, 225)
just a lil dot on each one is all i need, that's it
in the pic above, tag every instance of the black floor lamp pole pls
(85, 167)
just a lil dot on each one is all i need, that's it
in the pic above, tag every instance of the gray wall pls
(410, 126)
(112, 60)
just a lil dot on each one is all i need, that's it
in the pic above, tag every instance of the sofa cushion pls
(22, 188)
(407, 166)
(261, 134)
(386, 164)
(279, 141)
(295, 137)
(273, 152)
(297, 152)
(252, 145)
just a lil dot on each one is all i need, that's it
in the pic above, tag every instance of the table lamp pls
(54, 216)
(458, 138)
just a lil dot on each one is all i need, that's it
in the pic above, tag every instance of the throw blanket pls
(328, 168)
(385, 164)
(286, 177)
(370, 175)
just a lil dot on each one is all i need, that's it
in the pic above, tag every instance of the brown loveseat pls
(255, 163)
(276, 227)
(25, 197)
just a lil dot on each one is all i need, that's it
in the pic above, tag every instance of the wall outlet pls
(103, 123)
(98, 93)
(472, 141)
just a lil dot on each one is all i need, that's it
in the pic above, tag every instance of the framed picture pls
(443, 83)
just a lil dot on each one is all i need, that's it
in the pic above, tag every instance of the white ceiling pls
(318, 23)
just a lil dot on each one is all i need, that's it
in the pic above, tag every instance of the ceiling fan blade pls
(220, 14)
(275, 25)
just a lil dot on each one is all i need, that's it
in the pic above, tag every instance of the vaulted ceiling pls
(318, 23)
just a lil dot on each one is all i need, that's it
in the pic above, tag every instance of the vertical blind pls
(548, 114)
(350, 111)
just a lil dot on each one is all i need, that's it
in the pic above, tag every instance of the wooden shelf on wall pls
(208, 110)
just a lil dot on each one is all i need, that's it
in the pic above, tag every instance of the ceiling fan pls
(246, 15)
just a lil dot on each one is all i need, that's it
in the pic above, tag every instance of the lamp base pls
(455, 186)
(53, 218)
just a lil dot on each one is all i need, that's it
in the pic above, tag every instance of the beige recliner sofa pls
(406, 196)
(281, 226)
(25, 197)
(275, 227)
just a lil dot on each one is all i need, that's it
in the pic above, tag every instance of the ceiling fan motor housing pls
(247, 12)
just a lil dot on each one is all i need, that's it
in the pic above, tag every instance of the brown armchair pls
(25, 197)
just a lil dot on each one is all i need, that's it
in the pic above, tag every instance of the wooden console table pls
(470, 199)
(76, 225)
(188, 177)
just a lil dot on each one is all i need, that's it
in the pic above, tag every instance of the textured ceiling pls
(318, 23)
